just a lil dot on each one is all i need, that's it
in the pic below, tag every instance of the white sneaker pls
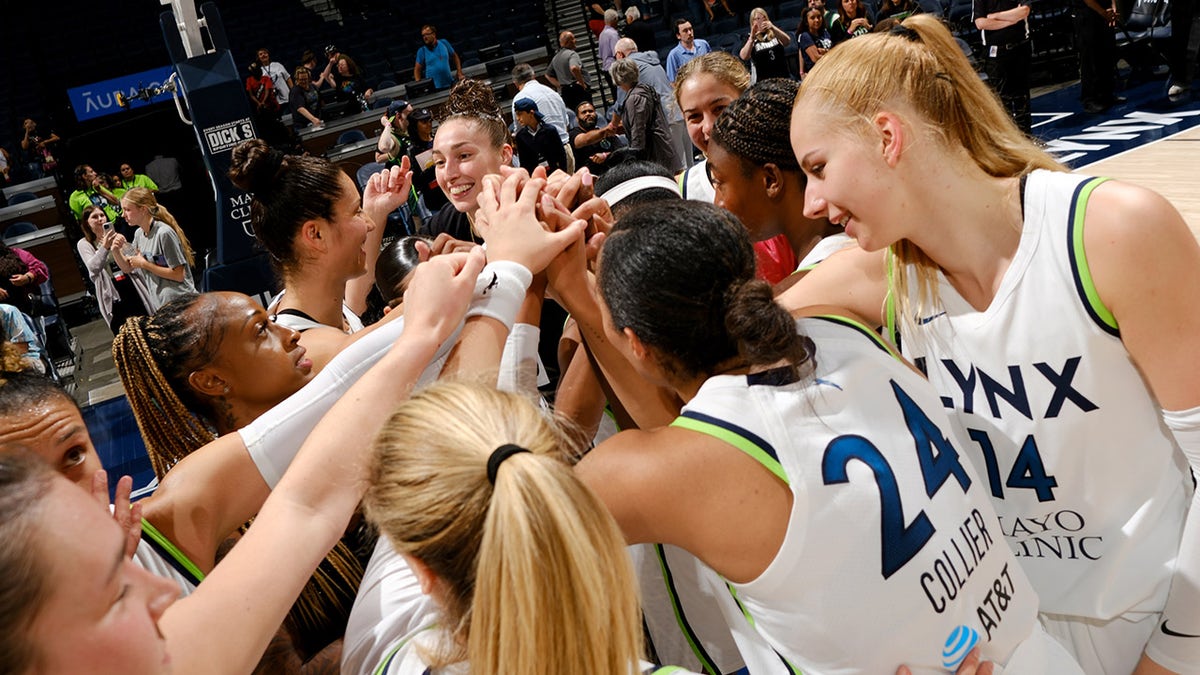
(1176, 90)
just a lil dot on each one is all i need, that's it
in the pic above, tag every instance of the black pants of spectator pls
(1008, 75)
(1097, 57)
(573, 94)
(1179, 57)
(128, 303)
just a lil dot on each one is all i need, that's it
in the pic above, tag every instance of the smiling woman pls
(471, 142)
(322, 238)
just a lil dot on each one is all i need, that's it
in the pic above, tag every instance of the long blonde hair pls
(919, 64)
(538, 579)
(145, 198)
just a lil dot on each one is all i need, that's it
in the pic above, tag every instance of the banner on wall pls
(100, 98)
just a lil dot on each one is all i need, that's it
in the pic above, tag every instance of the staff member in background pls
(1004, 27)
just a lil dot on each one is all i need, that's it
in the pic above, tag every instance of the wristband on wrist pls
(500, 291)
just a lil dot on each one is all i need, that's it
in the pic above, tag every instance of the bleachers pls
(384, 39)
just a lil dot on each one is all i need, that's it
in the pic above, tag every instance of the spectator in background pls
(651, 72)
(594, 12)
(434, 59)
(852, 20)
(592, 144)
(644, 119)
(394, 142)
(1094, 23)
(1178, 63)
(350, 84)
(164, 256)
(278, 74)
(687, 49)
(90, 189)
(305, 101)
(5, 167)
(1004, 27)
(567, 73)
(261, 91)
(164, 171)
(16, 331)
(36, 152)
(421, 159)
(128, 179)
(549, 103)
(119, 295)
(638, 30)
(890, 9)
(20, 275)
(537, 142)
(309, 60)
(764, 47)
(815, 40)
(607, 43)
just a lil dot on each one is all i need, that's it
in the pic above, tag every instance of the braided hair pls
(475, 102)
(755, 127)
(154, 356)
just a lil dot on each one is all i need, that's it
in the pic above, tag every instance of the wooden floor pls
(1170, 166)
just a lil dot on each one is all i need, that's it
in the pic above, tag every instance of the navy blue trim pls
(775, 377)
(730, 426)
(706, 661)
(874, 339)
(1076, 277)
(169, 557)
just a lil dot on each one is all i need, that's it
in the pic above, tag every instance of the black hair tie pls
(905, 32)
(498, 456)
(269, 173)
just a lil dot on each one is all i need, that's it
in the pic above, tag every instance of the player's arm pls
(1129, 231)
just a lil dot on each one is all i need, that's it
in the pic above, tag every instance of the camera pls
(108, 226)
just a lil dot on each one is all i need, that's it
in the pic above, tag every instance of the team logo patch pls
(958, 645)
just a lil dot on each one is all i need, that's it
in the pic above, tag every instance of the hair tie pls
(272, 161)
(498, 456)
(905, 32)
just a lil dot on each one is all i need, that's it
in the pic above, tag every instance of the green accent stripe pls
(386, 662)
(736, 440)
(746, 613)
(1081, 268)
(684, 627)
(861, 328)
(666, 670)
(889, 300)
(170, 548)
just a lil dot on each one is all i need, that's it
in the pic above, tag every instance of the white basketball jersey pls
(1088, 483)
(892, 554)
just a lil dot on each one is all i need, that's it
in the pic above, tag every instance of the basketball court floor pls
(1148, 140)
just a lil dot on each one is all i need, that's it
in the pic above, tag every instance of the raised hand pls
(387, 190)
(128, 516)
(510, 224)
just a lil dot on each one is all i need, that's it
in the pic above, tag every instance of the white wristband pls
(500, 291)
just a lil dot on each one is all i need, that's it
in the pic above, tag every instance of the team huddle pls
(959, 437)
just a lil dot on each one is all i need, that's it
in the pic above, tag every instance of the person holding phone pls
(161, 251)
(118, 295)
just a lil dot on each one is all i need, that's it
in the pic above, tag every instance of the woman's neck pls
(969, 224)
(320, 296)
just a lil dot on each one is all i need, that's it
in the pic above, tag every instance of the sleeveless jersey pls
(1088, 483)
(157, 554)
(892, 552)
(300, 322)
